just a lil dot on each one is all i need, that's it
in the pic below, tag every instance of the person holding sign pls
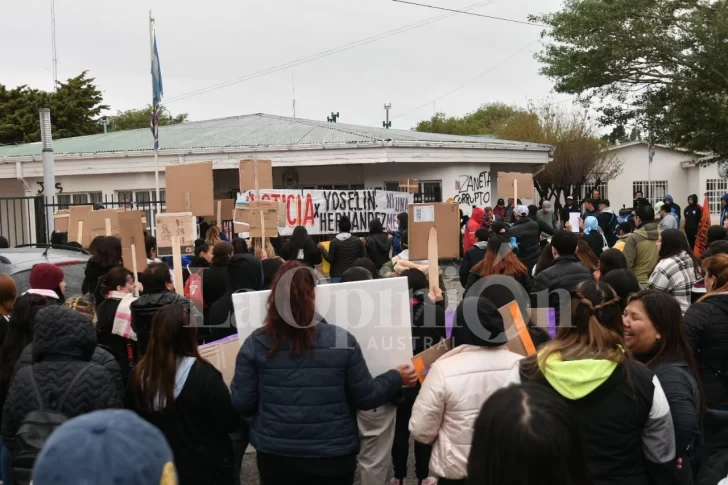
(622, 410)
(312, 373)
(107, 255)
(458, 384)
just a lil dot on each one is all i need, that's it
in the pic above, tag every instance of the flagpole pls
(156, 151)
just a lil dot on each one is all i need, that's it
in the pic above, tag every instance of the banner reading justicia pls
(319, 211)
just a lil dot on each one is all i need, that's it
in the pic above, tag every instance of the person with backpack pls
(201, 258)
(62, 382)
(608, 222)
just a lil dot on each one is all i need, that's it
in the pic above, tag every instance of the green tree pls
(75, 107)
(132, 119)
(579, 156)
(480, 122)
(660, 65)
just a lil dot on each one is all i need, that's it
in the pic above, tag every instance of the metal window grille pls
(587, 189)
(654, 191)
(715, 189)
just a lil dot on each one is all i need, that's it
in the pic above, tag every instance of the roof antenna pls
(293, 83)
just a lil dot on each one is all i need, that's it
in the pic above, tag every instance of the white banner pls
(319, 211)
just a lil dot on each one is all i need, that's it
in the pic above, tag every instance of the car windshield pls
(74, 279)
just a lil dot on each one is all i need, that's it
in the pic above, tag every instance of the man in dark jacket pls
(565, 273)
(343, 250)
(63, 373)
(158, 293)
(568, 208)
(474, 255)
(527, 231)
(693, 213)
(590, 209)
(378, 245)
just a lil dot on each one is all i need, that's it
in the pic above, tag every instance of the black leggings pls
(400, 446)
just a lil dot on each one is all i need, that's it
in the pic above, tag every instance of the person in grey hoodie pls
(343, 250)
(474, 255)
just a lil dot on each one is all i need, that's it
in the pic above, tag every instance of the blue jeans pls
(6, 465)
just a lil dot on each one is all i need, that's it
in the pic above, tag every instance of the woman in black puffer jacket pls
(343, 250)
(64, 343)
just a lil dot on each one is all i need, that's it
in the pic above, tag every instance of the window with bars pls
(391, 186)
(715, 189)
(64, 200)
(654, 191)
(588, 189)
(143, 200)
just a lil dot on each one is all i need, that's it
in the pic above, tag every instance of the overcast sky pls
(203, 43)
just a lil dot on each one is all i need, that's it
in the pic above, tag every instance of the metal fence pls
(22, 220)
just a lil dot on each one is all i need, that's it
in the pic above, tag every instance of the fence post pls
(41, 225)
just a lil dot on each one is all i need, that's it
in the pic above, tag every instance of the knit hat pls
(45, 276)
(111, 447)
(522, 210)
(478, 323)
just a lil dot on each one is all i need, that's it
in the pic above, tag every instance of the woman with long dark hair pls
(610, 260)
(653, 332)
(301, 247)
(114, 318)
(186, 398)
(622, 410)
(527, 420)
(399, 239)
(586, 255)
(107, 255)
(300, 367)
(544, 260)
(678, 269)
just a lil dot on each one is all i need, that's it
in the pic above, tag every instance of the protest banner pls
(442, 216)
(180, 224)
(130, 228)
(519, 340)
(377, 313)
(61, 220)
(319, 211)
(189, 188)
(424, 360)
(222, 354)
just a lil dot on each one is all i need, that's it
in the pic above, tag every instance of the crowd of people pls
(628, 388)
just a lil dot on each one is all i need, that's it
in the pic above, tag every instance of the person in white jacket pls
(458, 384)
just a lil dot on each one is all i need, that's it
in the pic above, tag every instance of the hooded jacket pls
(474, 223)
(674, 209)
(143, 311)
(245, 272)
(214, 283)
(472, 256)
(565, 273)
(305, 405)
(456, 387)
(343, 251)
(640, 251)
(623, 416)
(527, 231)
(693, 213)
(706, 330)
(378, 247)
(64, 343)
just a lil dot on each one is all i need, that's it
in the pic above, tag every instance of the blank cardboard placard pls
(194, 179)
(377, 313)
(227, 207)
(247, 218)
(182, 225)
(78, 213)
(222, 354)
(442, 216)
(574, 220)
(256, 175)
(505, 185)
(130, 227)
(95, 225)
(61, 220)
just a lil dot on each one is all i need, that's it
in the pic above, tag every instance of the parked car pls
(17, 263)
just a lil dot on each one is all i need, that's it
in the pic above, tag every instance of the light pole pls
(387, 124)
(49, 174)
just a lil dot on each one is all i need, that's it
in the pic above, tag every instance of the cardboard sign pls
(226, 207)
(519, 340)
(182, 225)
(130, 228)
(523, 185)
(375, 312)
(189, 188)
(442, 216)
(78, 216)
(424, 360)
(574, 219)
(256, 175)
(222, 354)
(411, 186)
(61, 220)
(95, 225)
(258, 219)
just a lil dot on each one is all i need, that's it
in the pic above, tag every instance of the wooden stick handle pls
(134, 267)
(108, 226)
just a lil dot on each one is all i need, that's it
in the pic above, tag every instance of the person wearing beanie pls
(459, 383)
(111, 447)
(245, 273)
(527, 231)
(48, 280)
(63, 372)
